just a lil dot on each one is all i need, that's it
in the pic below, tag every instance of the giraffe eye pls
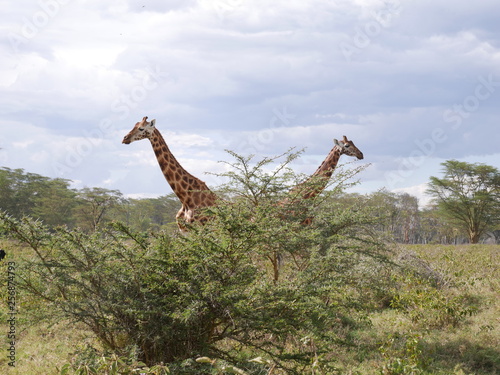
(347, 145)
(141, 129)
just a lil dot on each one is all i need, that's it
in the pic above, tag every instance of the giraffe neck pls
(328, 166)
(320, 178)
(183, 184)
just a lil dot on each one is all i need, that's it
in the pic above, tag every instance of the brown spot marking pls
(173, 185)
(196, 199)
(163, 164)
(168, 174)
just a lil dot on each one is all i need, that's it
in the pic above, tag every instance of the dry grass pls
(42, 349)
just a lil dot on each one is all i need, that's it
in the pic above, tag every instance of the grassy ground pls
(397, 342)
(43, 349)
(470, 347)
(473, 347)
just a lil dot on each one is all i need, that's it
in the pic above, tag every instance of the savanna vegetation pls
(106, 285)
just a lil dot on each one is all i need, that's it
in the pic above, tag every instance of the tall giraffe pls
(314, 185)
(317, 182)
(191, 191)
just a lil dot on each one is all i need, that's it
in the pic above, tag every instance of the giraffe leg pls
(189, 216)
(180, 218)
(180, 214)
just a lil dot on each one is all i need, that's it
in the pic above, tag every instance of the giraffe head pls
(143, 129)
(347, 148)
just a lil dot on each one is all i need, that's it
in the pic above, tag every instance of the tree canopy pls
(468, 196)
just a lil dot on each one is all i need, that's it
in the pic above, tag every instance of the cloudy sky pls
(412, 83)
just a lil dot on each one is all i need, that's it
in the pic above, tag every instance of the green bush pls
(429, 306)
(252, 290)
(403, 355)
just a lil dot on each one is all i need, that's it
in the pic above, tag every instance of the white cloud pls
(88, 57)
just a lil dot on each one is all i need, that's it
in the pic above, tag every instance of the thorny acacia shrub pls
(252, 282)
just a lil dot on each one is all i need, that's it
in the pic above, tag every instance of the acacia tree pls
(95, 204)
(468, 196)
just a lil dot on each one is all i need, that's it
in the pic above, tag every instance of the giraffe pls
(313, 186)
(317, 182)
(191, 191)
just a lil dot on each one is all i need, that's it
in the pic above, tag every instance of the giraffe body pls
(191, 191)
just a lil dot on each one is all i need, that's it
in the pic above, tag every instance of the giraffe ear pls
(341, 144)
(153, 123)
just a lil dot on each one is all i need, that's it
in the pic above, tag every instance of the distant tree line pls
(451, 219)
(54, 202)
(399, 217)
